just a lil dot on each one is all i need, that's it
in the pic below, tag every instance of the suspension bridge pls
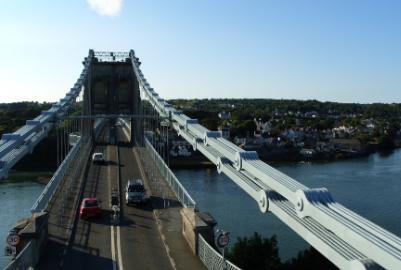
(112, 109)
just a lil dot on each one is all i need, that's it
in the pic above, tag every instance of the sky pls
(329, 50)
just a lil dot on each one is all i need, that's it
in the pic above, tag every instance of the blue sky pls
(343, 50)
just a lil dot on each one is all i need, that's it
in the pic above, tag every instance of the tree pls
(262, 253)
(209, 123)
(255, 253)
(243, 128)
(307, 260)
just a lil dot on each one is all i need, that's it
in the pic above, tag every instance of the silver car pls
(135, 192)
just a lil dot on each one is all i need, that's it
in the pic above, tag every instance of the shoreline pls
(40, 177)
(198, 162)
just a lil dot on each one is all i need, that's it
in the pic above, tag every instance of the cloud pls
(106, 7)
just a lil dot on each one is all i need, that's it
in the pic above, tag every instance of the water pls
(369, 186)
(16, 198)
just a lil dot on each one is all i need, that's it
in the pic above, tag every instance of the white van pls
(98, 158)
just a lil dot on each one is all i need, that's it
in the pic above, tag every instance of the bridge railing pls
(344, 237)
(47, 194)
(180, 192)
(25, 259)
(212, 259)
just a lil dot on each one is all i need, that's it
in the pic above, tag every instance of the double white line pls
(115, 233)
(116, 264)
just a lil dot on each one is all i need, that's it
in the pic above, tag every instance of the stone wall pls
(195, 223)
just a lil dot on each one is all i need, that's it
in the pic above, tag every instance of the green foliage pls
(14, 115)
(209, 123)
(255, 253)
(243, 128)
(207, 118)
(363, 137)
(44, 156)
(308, 259)
(386, 142)
(285, 114)
(243, 109)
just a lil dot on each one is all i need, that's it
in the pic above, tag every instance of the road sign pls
(223, 239)
(13, 239)
(10, 251)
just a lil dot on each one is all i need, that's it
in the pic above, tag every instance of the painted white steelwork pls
(14, 146)
(344, 237)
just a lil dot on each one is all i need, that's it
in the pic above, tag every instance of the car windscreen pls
(136, 188)
(90, 203)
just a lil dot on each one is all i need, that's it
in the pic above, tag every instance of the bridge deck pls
(135, 244)
(141, 243)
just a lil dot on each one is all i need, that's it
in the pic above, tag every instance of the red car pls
(90, 208)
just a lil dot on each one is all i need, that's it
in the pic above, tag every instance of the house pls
(342, 132)
(225, 131)
(347, 145)
(326, 134)
(290, 134)
(322, 146)
(224, 115)
(299, 122)
(239, 140)
(370, 125)
(307, 153)
(262, 127)
(311, 114)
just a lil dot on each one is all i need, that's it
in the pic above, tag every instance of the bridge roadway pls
(140, 237)
(97, 244)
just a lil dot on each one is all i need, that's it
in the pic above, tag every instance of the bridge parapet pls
(178, 189)
(32, 235)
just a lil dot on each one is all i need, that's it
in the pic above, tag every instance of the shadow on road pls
(160, 203)
(104, 219)
(51, 258)
(85, 259)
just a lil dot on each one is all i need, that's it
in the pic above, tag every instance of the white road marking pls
(113, 254)
(120, 260)
(113, 248)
